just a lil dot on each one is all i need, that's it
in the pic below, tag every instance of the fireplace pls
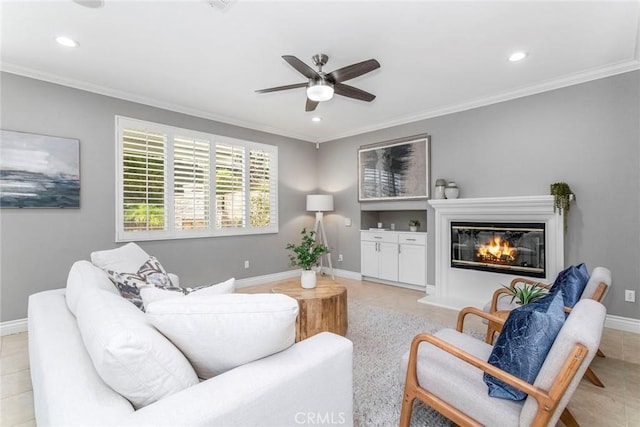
(530, 225)
(507, 248)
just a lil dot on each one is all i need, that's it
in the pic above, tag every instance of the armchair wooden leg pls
(599, 353)
(567, 419)
(405, 412)
(593, 377)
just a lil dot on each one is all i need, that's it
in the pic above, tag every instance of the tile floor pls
(616, 405)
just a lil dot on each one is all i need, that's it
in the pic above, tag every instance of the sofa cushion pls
(571, 281)
(129, 354)
(125, 258)
(85, 276)
(151, 294)
(218, 333)
(522, 346)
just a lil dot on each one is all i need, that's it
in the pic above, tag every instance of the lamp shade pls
(320, 91)
(319, 202)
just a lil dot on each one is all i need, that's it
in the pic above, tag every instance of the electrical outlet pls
(340, 258)
(629, 295)
(246, 264)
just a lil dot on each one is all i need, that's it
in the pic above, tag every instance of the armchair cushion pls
(523, 344)
(571, 281)
(454, 380)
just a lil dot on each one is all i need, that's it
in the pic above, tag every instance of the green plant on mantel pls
(526, 294)
(563, 196)
(308, 252)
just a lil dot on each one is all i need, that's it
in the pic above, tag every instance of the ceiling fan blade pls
(274, 89)
(352, 71)
(302, 68)
(311, 105)
(353, 92)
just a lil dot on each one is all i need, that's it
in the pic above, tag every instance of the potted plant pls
(414, 224)
(306, 255)
(563, 196)
(525, 294)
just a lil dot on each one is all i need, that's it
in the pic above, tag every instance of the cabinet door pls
(388, 261)
(369, 259)
(412, 264)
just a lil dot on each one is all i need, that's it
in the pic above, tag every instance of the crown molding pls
(545, 86)
(152, 102)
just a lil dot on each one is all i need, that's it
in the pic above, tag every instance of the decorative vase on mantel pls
(308, 279)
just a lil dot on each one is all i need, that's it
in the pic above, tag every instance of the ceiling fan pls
(322, 86)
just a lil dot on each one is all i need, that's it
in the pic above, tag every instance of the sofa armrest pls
(310, 382)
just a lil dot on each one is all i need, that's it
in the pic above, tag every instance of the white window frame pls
(171, 232)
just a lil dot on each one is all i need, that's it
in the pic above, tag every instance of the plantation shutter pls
(261, 189)
(191, 183)
(230, 185)
(143, 173)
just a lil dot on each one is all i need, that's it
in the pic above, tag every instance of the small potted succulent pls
(306, 255)
(525, 294)
(414, 224)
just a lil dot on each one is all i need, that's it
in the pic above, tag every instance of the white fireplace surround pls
(457, 288)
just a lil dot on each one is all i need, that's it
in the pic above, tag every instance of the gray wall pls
(587, 135)
(38, 246)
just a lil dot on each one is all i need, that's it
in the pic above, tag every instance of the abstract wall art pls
(394, 170)
(38, 171)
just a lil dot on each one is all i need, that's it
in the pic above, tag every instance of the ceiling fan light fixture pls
(518, 56)
(320, 91)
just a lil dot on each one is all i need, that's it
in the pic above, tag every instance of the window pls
(176, 183)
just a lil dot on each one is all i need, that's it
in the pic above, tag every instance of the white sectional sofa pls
(310, 380)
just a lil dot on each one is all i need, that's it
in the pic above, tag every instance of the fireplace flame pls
(498, 250)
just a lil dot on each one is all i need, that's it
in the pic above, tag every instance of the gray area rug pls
(380, 337)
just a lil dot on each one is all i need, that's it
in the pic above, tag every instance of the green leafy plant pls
(308, 252)
(525, 294)
(414, 223)
(563, 196)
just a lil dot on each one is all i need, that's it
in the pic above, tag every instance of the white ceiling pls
(436, 57)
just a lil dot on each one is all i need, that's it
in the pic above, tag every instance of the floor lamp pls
(320, 203)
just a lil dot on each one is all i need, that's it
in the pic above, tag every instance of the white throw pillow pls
(127, 258)
(219, 333)
(151, 294)
(129, 354)
(85, 276)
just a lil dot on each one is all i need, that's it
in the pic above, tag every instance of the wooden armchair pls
(445, 371)
(596, 289)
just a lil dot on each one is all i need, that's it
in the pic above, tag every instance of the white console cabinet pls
(394, 256)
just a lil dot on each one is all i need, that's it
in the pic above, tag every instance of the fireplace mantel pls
(456, 288)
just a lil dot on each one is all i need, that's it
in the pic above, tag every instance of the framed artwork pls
(394, 170)
(39, 171)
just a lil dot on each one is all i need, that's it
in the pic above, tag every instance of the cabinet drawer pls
(379, 236)
(412, 238)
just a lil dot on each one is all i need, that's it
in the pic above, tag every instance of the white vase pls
(308, 279)
(451, 191)
(413, 228)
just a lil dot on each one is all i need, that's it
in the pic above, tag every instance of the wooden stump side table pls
(321, 309)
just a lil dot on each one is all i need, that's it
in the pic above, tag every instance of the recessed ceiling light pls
(66, 41)
(316, 119)
(517, 56)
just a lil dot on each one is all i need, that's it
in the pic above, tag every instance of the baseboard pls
(13, 327)
(259, 280)
(622, 323)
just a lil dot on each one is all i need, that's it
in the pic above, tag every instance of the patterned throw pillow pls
(151, 273)
(571, 281)
(152, 283)
(523, 344)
